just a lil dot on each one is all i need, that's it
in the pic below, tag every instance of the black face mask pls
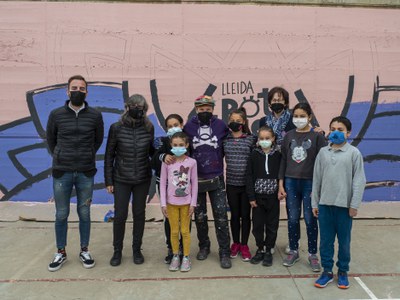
(205, 117)
(235, 126)
(136, 113)
(77, 98)
(277, 107)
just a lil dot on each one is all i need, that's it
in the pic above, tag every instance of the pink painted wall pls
(185, 47)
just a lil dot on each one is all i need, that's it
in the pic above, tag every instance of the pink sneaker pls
(235, 249)
(246, 255)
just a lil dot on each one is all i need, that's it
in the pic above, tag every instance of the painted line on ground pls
(301, 276)
(365, 288)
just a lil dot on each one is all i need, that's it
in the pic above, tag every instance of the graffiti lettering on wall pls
(26, 161)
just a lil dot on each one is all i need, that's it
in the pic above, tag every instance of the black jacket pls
(73, 140)
(128, 152)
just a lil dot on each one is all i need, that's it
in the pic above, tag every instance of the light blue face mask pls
(337, 137)
(178, 151)
(173, 130)
(265, 144)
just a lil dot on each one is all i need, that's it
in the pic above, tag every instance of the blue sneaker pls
(343, 280)
(324, 280)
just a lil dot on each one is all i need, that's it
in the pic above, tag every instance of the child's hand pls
(191, 211)
(164, 211)
(253, 203)
(352, 212)
(110, 189)
(281, 193)
(315, 212)
(169, 159)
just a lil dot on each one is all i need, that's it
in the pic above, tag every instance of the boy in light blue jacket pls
(338, 187)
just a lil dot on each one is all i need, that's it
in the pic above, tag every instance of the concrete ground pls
(27, 248)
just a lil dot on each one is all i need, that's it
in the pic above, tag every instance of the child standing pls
(299, 149)
(174, 124)
(262, 190)
(338, 186)
(237, 147)
(178, 192)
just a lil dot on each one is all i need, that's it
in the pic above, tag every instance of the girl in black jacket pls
(127, 172)
(262, 190)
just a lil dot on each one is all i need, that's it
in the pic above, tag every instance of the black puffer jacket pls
(128, 152)
(74, 139)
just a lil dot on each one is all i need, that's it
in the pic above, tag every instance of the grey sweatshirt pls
(339, 177)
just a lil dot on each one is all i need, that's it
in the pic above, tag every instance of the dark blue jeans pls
(334, 221)
(219, 207)
(62, 188)
(299, 192)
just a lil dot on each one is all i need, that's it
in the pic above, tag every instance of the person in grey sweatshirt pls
(338, 186)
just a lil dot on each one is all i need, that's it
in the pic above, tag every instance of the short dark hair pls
(346, 122)
(280, 91)
(76, 77)
(180, 135)
(304, 106)
(174, 116)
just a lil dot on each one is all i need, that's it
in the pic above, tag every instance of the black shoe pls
(116, 258)
(203, 253)
(267, 262)
(138, 257)
(169, 256)
(258, 257)
(225, 262)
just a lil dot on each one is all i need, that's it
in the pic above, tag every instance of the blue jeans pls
(334, 221)
(299, 191)
(62, 188)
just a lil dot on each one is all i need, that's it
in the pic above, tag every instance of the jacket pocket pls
(266, 186)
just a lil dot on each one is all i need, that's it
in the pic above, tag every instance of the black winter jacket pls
(128, 152)
(73, 140)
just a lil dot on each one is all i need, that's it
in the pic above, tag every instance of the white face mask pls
(300, 123)
(265, 144)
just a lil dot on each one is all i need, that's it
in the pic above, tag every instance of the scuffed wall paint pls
(342, 61)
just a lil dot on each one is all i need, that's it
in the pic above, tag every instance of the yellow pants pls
(179, 221)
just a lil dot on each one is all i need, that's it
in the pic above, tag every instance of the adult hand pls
(352, 212)
(169, 159)
(110, 189)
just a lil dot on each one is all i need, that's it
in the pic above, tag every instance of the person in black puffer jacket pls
(74, 134)
(127, 172)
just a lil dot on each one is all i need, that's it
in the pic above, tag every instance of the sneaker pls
(246, 255)
(291, 258)
(203, 253)
(175, 263)
(256, 259)
(57, 262)
(324, 280)
(138, 257)
(267, 261)
(169, 256)
(86, 259)
(186, 264)
(235, 249)
(314, 263)
(343, 280)
(225, 262)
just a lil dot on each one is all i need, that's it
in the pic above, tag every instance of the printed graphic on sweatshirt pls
(181, 181)
(299, 152)
(205, 137)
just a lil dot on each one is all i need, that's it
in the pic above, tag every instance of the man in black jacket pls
(74, 134)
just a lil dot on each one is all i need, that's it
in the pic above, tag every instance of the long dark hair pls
(127, 120)
(241, 111)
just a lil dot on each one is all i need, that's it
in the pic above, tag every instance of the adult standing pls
(127, 173)
(74, 134)
(206, 133)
